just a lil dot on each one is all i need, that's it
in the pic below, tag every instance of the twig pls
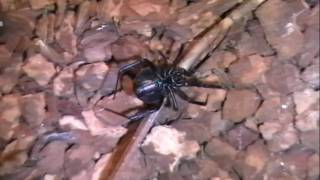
(49, 52)
(203, 14)
(125, 152)
(214, 37)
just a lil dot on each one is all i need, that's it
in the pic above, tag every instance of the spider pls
(153, 84)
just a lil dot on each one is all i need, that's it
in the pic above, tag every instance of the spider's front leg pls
(185, 97)
(128, 67)
(197, 83)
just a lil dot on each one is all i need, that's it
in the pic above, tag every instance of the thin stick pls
(129, 149)
(214, 37)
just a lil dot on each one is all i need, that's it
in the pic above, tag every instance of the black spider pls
(153, 83)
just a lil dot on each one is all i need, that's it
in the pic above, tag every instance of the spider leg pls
(167, 102)
(197, 83)
(124, 69)
(173, 99)
(140, 115)
(184, 96)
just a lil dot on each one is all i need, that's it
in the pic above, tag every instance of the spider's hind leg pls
(141, 114)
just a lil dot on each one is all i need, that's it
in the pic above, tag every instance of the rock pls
(266, 91)
(170, 176)
(282, 108)
(6, 131)
(311, 75)
(111, 118)
(127, 48)
(91, 76)
(257, 157)
(307, 106)
(15, 154)
(165, 141)
(52, 157)
(289, 75)
(219, 59)
(33, 109)
(63, 84)
(313, 164)
(279, 137)
(215, 99)
(9, 75)
(140, 27)
(240, 104)
(100, 143)
(68, 107)
(86, 10)
(42, 28)
(216, 124)
(101, 52)
(10, 112)
(144, 7)
(253, 41)
(251, 123)
(79, 158)
(269, 129)
(5, 55)
(209, 169)
(39, 69)
(308, 20)
(188, 168)
(305, 99)
(52, 177)
(194, 130)
(194, 111)
(240, 137)
(10, 108)
(65, 35)
(27, 85)
(117, 104)
(269, 105)
(295, 160)
(308, 120)
(84, 96)
(280, 27)
(96, 127)
(72, 122)
(97, 43)
(289, 165)
(39, 4)
(221, 152)
(311, 139)
(249, 71)
(84, 174)
(109, 83)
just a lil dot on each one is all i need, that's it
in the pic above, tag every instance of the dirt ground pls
(59, 61)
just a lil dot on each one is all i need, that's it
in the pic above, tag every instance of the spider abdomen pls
(147, 88)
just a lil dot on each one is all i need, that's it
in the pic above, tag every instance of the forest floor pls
(59, 61)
